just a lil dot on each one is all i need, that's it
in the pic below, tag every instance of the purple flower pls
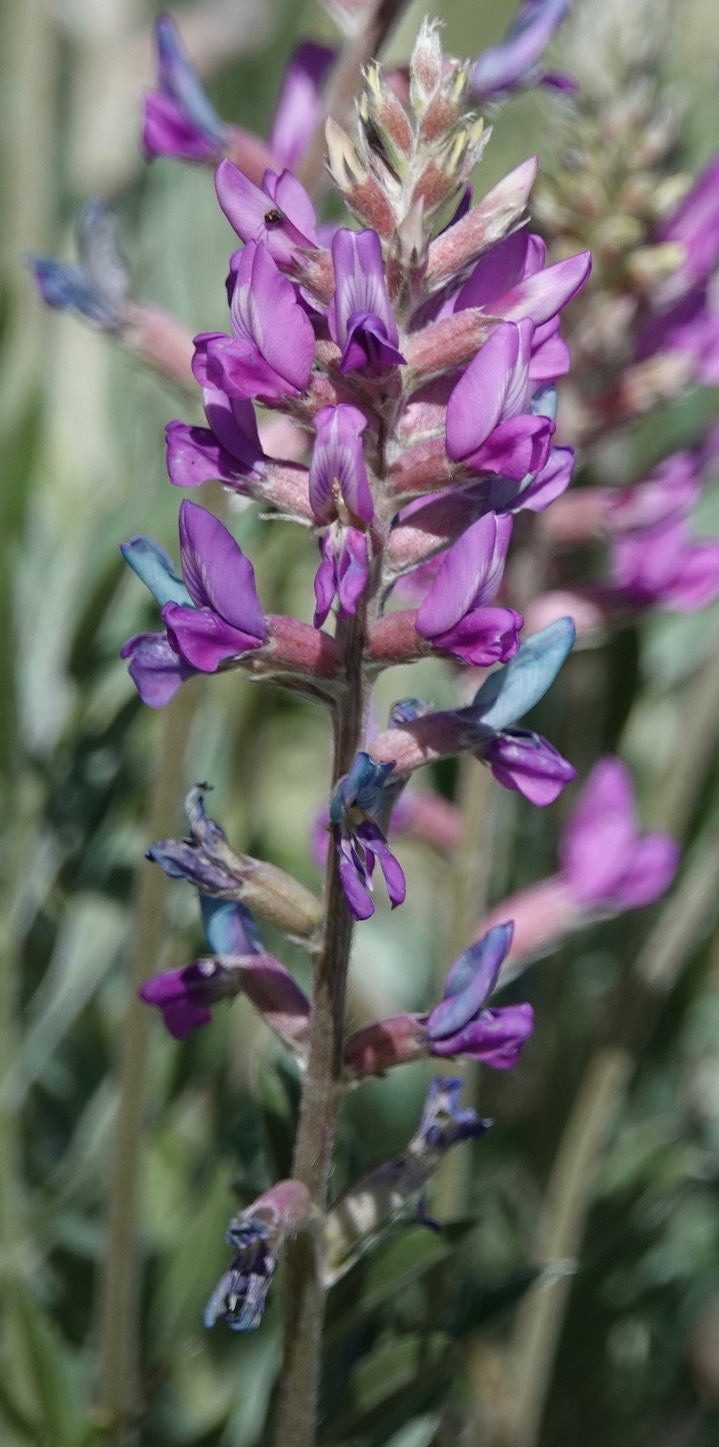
(185, 996)
(178, 118)
(359, 841)
(341, 501)
(298, 108)
(607, 863)
(271, 350)
(444, 1123)
(360, 315)
(228, 450)
(515, 61)
(214, 615)
(695, 226)
(462, 1025)
(454, 617)
(97, 287)
(279, 214)
(489, 424)
(257, 1236)
(668, 494)
(512, 281)
(660, 566)
(524, 761)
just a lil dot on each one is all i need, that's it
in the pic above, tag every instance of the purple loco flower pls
(178, 117)
(660, 566)
(360, 316)
(97, 287)
(512, 281)
(212, 616)
(185, 996)
(607, 864)
(695, 225)
(461, 1025)
(279, 214)
(454, 616)
(257, 1236)
(228, 450)
(359, 841)
(341, 500)
(489, 425)
(515, 61)
(271, 350)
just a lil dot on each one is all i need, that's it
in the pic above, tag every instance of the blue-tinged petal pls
(229, 927)
(510, 692)
(470, 982)
(154, 568)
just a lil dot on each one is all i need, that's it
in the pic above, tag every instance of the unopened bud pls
(426, 67)
(362, 191)
(499, 211)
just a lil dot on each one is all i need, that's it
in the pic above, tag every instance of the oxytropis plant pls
(411, 351)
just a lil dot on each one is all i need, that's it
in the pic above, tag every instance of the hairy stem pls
(119, 1389)
(304, 1291)
(570, 1190)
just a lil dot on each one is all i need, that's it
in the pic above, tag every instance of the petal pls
(496, 1038)
(510, 692)
(516, 448)
(600, 837)
(203, 639)
(154, 568)
(470, 982)
(496, 272)
(229, 927)
(266, 311)
(360, 285)
(298, 106)
(477, 402)
(195, 456)
(217, 573)
(338, 459)
(483, 637)
(542, 295)
(653, 865)
(357, 895)
(470, 575)
(155, 668)
(527, 763)
(697, 581)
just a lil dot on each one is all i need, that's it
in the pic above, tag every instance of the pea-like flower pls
(341, 501)
(257, 1235)
(360, 316)
(359, 841)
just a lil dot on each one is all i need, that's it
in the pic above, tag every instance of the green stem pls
(119, 1389)
(304, 1290)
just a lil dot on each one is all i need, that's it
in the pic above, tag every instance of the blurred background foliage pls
(421, 1333)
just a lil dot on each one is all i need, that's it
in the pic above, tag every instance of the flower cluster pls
(411, 350)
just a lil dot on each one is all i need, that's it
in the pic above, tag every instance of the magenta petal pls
(470, 575)
(203, 639)
(360, 290)
(516, 449)
(155, 668)
(499, 269)
(496, 1038)
(217, 573)
(550, 482)
(298, 107)
(477, 403)
(541, 296)
(392, 871)
(653, 865)
(274, 215)
(696, 582)
(599, 839)
(526, 762)
(358, 897)
(194, 456)
(168, 131)
(265, 311)
(483, 637)
(338, 462)
(235, 427)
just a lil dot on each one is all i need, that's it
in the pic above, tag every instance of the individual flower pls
(397, 1186)
(454, 616)
(607, 864)
(212, 614)
(341, 502)
(490, 427)
(360, 315)
(660, 566)
(185, 996)
(299, 104)
(178, 118)
(227, 450)
(359, 841)
(460, 1025)
(257, 1236)
(278, 214)
(97, 286)
(515, 62)
(270, 353)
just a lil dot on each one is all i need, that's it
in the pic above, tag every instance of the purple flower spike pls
(527, 763)
(360, 316)
(461, 1025)
(489, 424)
(227, 451)
(178, 119)
(185, 996)
(358, 838)
(340, 498)
(298, 108)
(271, 351)
(515, 61)
(279, 214)
(454, 617)
(608, 864)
